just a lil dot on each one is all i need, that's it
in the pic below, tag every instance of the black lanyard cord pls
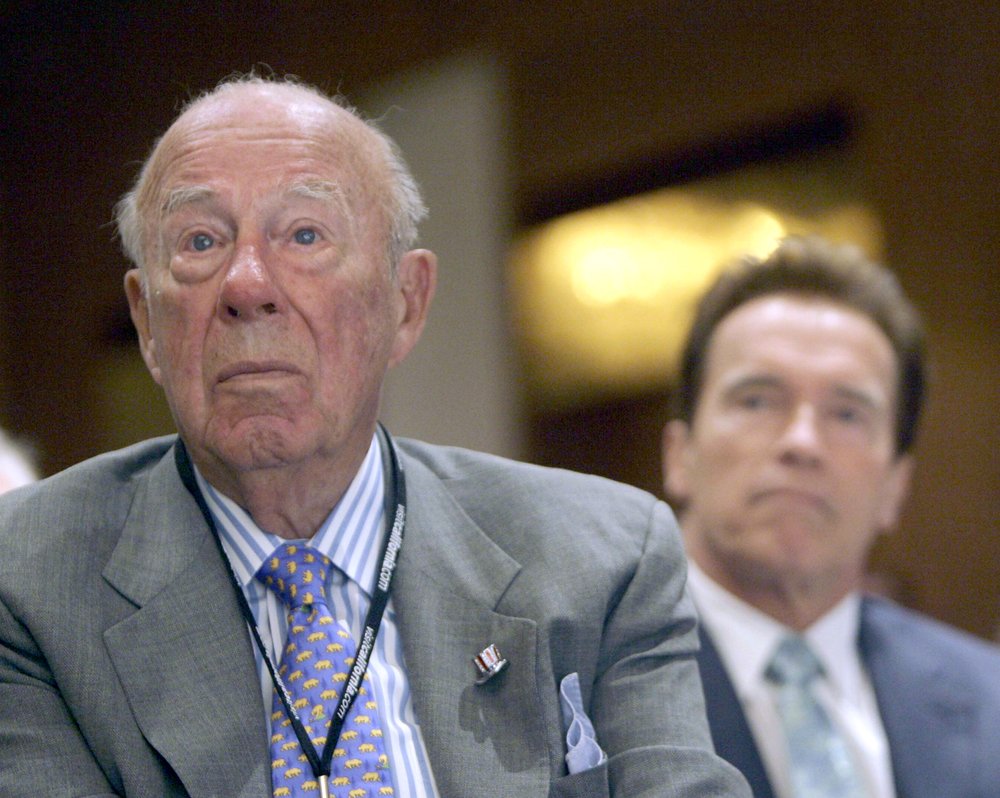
(394, 509)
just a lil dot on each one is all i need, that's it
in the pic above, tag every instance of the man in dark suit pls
(802, 382)
(538, 640)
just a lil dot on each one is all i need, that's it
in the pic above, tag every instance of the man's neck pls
(290, 501)
(797, 606)
(797, 601)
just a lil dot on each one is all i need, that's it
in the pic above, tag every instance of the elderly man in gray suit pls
(514, 631)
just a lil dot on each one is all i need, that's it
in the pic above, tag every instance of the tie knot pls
(297, 574)
(793, 663)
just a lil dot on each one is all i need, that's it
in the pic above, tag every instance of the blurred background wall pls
(509, 113)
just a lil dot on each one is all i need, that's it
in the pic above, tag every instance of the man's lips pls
(809, 498)
(256, 368)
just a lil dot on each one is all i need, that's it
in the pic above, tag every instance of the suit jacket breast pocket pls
(591, 783)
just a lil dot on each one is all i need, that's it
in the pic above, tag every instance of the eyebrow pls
(325, 191)
(186, 195)
(768, 381)
(752, 381)
(859, 395)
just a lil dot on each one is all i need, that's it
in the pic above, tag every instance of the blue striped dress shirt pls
(351, 536)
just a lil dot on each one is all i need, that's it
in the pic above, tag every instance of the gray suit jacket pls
(938, 692)
(126, 668)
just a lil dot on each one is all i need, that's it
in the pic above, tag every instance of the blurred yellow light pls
(602, 298)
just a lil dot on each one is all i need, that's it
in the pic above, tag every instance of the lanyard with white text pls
(395, 509)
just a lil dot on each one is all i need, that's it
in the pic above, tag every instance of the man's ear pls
(674, 456)
(416, 277)
(895, 493)
(139, 310)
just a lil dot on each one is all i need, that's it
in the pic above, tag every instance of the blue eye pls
(202, 242)
(305, 236)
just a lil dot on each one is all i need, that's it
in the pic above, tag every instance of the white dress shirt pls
(351, 536)
(746, 640)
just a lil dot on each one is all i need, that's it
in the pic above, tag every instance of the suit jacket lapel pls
(731, 732)
(928, 715)
(450, 579)
(184, 657)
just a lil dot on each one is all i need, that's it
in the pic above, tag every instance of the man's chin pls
(790, 558)
(256, 445)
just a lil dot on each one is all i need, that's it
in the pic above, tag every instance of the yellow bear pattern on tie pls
(314, 665)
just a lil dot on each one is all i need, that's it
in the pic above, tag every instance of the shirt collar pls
(349, 535)
(746, 638)
(834, 641)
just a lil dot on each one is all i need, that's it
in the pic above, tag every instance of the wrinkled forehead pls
(263, 115)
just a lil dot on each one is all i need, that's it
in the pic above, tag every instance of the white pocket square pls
(582, 750)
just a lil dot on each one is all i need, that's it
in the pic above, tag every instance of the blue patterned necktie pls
(314, 666)
(820, 762)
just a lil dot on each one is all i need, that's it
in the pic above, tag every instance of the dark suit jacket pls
(938, 692)
(126, 668)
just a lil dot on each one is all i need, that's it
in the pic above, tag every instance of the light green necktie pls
(820, 762)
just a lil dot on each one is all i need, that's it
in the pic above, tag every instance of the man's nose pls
(801, 441)
(248, 289)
